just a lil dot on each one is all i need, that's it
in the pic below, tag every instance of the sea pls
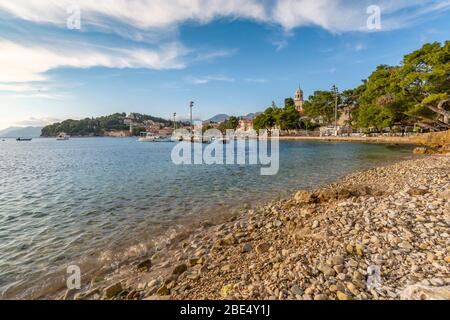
(90, 201)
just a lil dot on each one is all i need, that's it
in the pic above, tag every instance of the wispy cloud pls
(208, 55)
(359, 47)
(39, 90)
(344, 16)
(37, 122)
(42, 95)
(154, 15)
(280, 44)
(142, 14)
(25, 63)
(256, 80)
(208, 79)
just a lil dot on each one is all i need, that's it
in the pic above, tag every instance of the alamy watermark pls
(73, 281)
(232, 148)
(374, 19)
(73, 21)
(373, 277)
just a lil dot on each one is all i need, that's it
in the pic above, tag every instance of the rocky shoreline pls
(379, 234)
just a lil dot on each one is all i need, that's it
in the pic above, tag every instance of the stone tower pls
(298, 100)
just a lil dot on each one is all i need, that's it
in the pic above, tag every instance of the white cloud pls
(16, 87)
(143, 14)
(280, 44)
(256, 80)
(38, 121)
(359, 47)
(128, 17)
(42, 95)
(25, 63)
(343, 16)
(208, 79)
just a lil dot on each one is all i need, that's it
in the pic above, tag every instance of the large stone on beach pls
(163, 291)
(296, 290)
(342, 296)
(405, 245)
(418, 191)
(179, 269)
(226, 290)
(422, 292)
(144, 266)
(262, 248)
(326, 270)
(420, 150)
(305, 197)
(229, 240)
(336, 260)
(112, 290)
(247, 247)
(193, 261)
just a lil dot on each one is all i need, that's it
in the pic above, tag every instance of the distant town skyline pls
(230, 57)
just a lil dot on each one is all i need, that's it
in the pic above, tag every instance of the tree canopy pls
(415, 91)
(321, 105)
(232, 123)
(97, 126)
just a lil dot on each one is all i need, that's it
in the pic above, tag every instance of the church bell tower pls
(298, 100)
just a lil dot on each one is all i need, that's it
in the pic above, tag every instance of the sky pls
(82, 58)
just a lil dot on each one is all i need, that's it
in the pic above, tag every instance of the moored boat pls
(24, 139)
(147, 137)
(150, 137)
(62, 136)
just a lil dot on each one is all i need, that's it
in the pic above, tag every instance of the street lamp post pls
(174, 121)
(335, 92)
(191, 105)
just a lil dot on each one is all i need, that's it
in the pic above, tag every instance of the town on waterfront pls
(238, 150)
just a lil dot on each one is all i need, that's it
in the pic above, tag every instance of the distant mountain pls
(219, 118)
(224, 117)
(251, 116)
(24, 132)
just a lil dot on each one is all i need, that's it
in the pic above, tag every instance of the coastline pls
(316, 245)
(383, 139)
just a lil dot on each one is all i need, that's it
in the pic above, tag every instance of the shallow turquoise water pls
(63, 201)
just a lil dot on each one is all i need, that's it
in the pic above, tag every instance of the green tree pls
(289, 102)
(425, 80)
(381, 97)
(288, 118)
(97, 126)
(232, 123)
(266, 120)
(321, 105)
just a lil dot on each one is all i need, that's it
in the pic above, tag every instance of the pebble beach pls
(377, 234)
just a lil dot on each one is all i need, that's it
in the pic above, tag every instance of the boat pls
(220, 140)
(62, 136)
(24, 139)
(148, 137)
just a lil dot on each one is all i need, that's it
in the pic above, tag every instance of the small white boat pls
(62, 137)
(148, 137)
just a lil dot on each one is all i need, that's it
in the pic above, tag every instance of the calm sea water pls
(64, 202)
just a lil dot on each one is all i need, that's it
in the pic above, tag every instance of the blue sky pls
(229, 56)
